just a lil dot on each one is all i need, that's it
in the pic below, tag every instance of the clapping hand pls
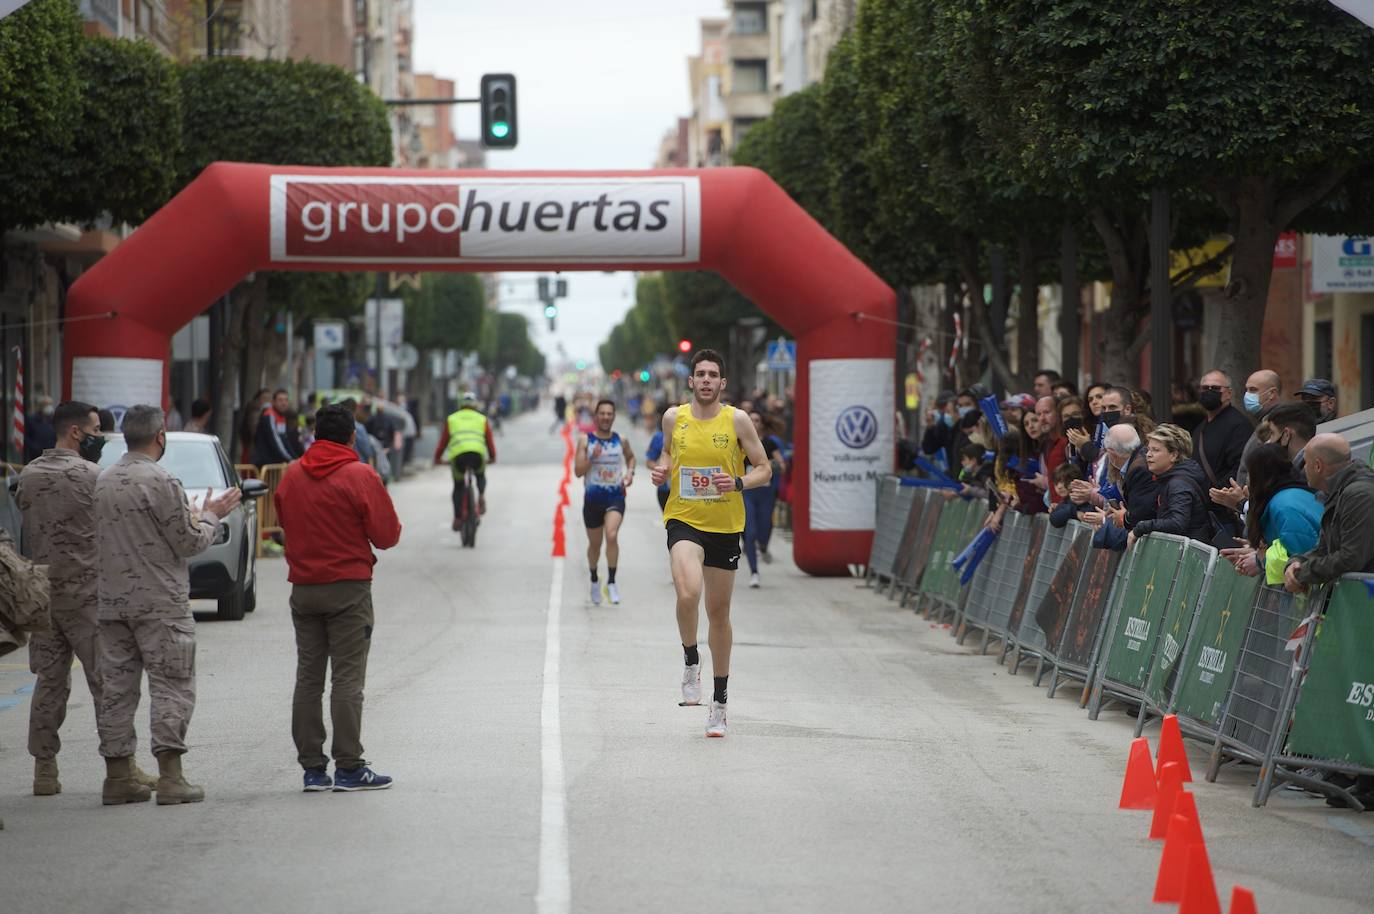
(1077, 437)
(1094, 519)
(220, 507)
(1081, 491)
(1233, 496)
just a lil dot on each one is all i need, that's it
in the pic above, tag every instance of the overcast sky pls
(598, 84)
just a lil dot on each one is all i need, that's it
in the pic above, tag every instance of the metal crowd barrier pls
(901, 565)
(918, 555)
(1209, 661)
(994, 586)
(1079, 598)
(1027, 639)
(885, 529)
(271, 476)
(1264, 669)
(940, 593)
(1133, 627)
(1191, 590)
(903, 502)
(1330, 698)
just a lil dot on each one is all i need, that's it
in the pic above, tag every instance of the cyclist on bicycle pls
(467, 444)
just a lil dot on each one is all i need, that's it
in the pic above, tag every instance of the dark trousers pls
(758, 522)
(461, 463)
(333, 629)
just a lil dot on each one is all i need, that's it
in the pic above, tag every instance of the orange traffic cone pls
(1170, 785)
(1199, 888)
(1139, 789)
(1171, 747)
(1242, 901)
(1184, 831)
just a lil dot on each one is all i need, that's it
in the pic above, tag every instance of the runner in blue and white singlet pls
(606, 464)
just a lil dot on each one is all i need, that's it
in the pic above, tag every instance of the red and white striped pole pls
(17, 438)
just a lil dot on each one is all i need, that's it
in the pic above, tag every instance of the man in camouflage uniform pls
(147, 531)
(57, 497)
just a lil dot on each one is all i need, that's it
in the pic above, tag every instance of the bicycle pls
(470, 516)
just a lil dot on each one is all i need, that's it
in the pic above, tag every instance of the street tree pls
(279, 112)
(40, 106)
(122, 160)
(1265, 109)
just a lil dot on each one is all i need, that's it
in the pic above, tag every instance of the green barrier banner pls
(1178, 620)
(1334, 718)
(1209, 663)
(951, 519)
(1136, 627)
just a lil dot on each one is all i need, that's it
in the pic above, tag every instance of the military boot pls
(45, 782)
(172, 787)
(120, 787)
(143, 777)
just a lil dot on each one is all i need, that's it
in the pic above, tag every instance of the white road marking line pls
(554, 893)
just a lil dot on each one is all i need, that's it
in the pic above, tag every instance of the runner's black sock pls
(593, 574)
(719, 695)
(690, 655)
(610, 574)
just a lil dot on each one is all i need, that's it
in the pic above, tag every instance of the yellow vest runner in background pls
(702, 447)
(467, 434)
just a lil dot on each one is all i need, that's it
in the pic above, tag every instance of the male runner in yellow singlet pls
(705, 444)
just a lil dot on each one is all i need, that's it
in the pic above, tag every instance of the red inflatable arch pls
(236, 219)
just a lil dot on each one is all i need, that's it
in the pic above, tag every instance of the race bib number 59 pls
(695, 483)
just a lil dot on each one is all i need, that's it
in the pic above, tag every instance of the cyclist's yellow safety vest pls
(467, 434)
(702, 447)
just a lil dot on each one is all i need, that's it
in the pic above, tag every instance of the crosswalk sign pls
(782, 355)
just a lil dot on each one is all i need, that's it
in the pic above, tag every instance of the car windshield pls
(195, 462)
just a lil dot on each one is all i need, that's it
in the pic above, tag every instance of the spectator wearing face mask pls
(1320, 395)
(1262, 390)
(938, 440)
(1291, 426)
(1218, 443)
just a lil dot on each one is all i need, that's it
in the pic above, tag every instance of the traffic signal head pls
(498, 111)
(684, 346)
(560, 289)
(550, 311)
(543, 282)
(644, 376)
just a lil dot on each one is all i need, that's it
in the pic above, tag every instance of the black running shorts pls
(722, 549)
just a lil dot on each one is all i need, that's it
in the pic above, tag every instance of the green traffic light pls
(550, 311)
(500, 130)
(644, 376)
(581, 364)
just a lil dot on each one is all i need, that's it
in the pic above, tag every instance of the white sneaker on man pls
(715, 724)
(691, 686)
(754, 580)
(613, 593)
(596, 593)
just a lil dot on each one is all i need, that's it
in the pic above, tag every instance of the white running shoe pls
(691, 686)
(596, 593)
(754, 580)
(613, 593)
(715, 724)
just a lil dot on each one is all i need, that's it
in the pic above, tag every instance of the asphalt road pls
(872, 765)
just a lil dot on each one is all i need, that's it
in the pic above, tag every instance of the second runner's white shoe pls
(691, 686)
(613, 593)
(715, 724)
(596, 593)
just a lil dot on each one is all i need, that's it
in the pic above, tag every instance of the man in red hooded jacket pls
(333, 510)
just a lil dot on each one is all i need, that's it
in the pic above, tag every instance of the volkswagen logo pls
(857, 427)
